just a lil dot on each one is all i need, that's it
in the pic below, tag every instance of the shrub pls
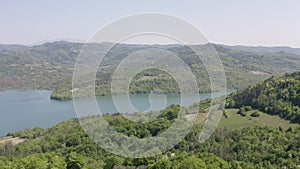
(255, 114)
(248, 108)
(242, 111)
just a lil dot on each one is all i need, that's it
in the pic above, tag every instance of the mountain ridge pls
(50, 66)
(248, 48)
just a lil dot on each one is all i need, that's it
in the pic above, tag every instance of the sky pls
(231, 22)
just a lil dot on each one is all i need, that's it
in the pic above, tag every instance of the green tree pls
(192, 163)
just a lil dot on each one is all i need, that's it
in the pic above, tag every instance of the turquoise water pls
(27, 109)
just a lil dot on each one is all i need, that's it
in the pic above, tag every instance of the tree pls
(162, 164)
(75, 161)
(192, 163)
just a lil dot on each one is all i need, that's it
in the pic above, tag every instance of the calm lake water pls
(27, 109)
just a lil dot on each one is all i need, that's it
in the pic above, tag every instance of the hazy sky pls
(252, 22)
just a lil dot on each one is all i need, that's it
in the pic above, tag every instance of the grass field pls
(236, 121)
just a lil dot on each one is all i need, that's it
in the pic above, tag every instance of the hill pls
(12, 47)
(275, 96)
(50, 66)
(263, 49)
(67, 146)
(246, 138)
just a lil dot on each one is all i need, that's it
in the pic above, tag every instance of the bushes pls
(242, 111)
(255, 114)
(28, 133)
(248, 108)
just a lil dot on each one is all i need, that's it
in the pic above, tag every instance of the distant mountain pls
(12, 47)
(50, 66)
(58, 40)
(263, 49)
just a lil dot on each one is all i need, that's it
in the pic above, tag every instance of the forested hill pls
(275, 96)
(50, 66)
(262, 49)
(67, 146)
(255, 141)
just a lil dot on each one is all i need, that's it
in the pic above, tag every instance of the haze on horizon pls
(233, 22)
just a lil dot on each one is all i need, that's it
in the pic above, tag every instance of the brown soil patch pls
(257, 72)
(149, 77)
(13, 140)
(201, 117)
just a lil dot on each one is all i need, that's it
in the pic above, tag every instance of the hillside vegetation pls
(246, 138)
(275, 96)
(50, 66)
(67, 146)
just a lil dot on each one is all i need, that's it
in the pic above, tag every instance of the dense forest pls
(276, 96)
(251, 135)
(67, 146)
(50, 66)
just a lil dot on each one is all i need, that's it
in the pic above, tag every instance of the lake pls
(34, 108)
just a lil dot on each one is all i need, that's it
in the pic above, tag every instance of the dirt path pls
(201, 117)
